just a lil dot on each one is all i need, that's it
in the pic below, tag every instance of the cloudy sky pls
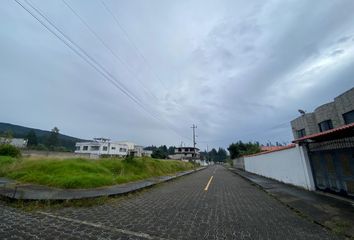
(145, 71)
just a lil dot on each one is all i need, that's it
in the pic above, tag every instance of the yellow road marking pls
(207, 186)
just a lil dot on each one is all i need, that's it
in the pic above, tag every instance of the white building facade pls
(17, 142)
(103, 146)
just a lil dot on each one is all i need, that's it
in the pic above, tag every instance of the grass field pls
(85, 173)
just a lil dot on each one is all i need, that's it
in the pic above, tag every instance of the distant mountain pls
(42, 135)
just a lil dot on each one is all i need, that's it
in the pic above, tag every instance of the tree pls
(213, 155)
(221, 155)
(53, 138)
(32, 138)
(6, 137)
(234, 150)
(171, 150)
(240, 149)
(158, 153)
(150, 148)
(161, 152)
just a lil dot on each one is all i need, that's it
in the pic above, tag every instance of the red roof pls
(275, 149)
(335, 133)
(270, 148)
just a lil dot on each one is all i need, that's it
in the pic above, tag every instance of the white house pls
(17, 142)
(104, 146)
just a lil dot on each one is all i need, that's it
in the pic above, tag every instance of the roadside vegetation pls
(9, 150)
(240, 149)
(86, 173)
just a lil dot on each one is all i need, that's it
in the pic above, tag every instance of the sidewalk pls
(11, 189)
(329, 211)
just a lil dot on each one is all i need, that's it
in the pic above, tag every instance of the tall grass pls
(85, 173)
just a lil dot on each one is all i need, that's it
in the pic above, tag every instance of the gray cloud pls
(238, 70)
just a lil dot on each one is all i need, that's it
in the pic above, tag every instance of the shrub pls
(9, 150)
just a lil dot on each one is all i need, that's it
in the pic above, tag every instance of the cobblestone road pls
(231, 208)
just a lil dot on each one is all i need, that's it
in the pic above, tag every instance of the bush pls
(9, 150)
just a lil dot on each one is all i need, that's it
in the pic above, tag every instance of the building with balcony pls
(185, 153)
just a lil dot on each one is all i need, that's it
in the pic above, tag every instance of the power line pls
(80, 52)
(88, 59)
(134, 46)
(83, 55)
(106, 46)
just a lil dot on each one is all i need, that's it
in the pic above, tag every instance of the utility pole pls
(207, 153)
(194, 127)
(194, 143)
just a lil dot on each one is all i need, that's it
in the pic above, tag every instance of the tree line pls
(162, 152)
(49, 142)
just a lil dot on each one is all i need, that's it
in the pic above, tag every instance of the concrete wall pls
(239, 163)
(328, 111)
(334, 111)
(307, 122)
(289, 166)
(344, 103)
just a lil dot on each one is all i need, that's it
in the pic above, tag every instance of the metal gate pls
(332, 164)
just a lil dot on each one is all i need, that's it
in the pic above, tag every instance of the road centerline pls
(207, 186)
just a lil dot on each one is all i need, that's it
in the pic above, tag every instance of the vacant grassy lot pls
(85, 173)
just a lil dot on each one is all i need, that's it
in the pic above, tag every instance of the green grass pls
(4, 162)
(85, 173)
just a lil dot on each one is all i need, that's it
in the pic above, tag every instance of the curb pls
(56, 194)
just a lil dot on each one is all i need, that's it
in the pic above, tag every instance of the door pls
(334, 170)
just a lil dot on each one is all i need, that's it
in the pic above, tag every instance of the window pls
(122, 149)
(84, 148)
(325, 125)
(301, 133)
(104, 148)
(95, 148)
(77, 148)
(113, 148)
(348, 117)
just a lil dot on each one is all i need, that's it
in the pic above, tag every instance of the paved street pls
(230, 208)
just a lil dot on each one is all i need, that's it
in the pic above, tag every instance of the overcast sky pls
(145, 71)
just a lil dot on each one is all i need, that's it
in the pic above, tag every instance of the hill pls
(42, 135)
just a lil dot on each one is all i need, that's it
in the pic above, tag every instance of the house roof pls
(335, 133)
